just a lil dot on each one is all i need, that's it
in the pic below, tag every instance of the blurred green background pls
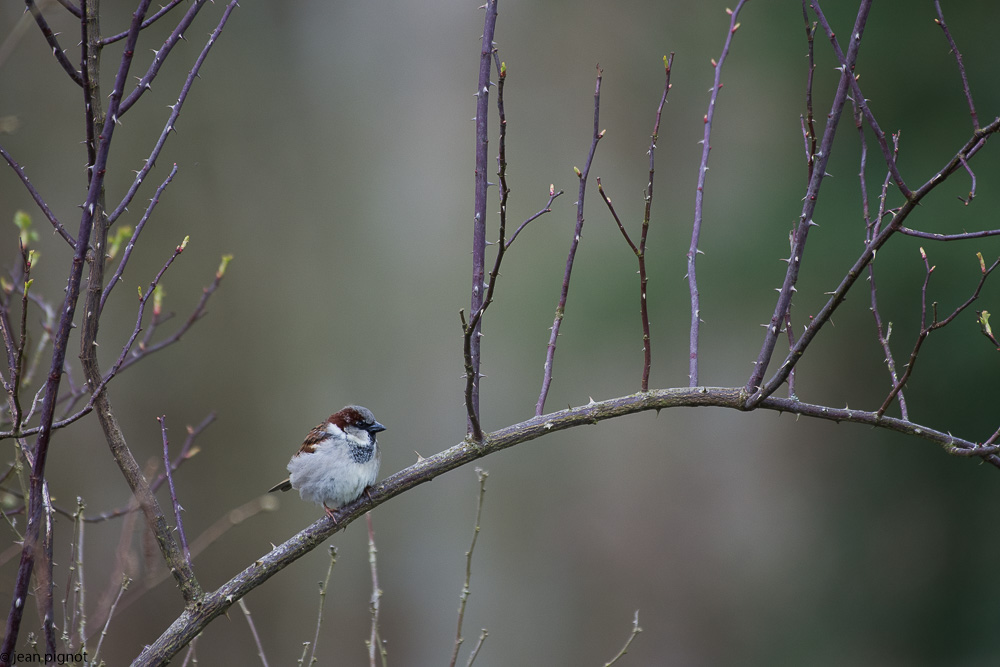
(328, 146)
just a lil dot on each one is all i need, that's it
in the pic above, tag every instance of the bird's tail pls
(281, 486)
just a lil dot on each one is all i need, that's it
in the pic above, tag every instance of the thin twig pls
(190, 657)
(961, 65)
(168, 468)
(253, 631)
(145, 24)
(37, 197)
(73, 9)
(647, 352)
(17, 363)
(483, 634)
(74, 607)
(374, 643)
(926, 329)
(872, 228)
(323, 586)
(550, 351)
(972, 186)
(699, 199)
(809, 121)
(930, 236)
(127, 253)
(44, 576)
(161, 55)
(628, 642)
(466, 590)
(104, 631)
(50, 37)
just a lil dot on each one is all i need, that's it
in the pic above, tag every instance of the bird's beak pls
(376, 428)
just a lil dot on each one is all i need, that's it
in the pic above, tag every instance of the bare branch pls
(479, 217)
(253, 631)
(374, 645)
(872, 228)
(135, 237)
(145, 24)
(926, 328)
(168, 471)
(323, 587)
(838, 295)
(175, 111)
(49, 215)
(161, 54)
(699, 200)
(859, 99)
(466, 590)
(961, 65)
(561, 308)
(753, 386)
(50, 37)
(628, 642)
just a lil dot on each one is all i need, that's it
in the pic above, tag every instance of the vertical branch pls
(640, 250)
(561, 308)
(809, 121)
(253, 631)
(471, 327)
(169, 472)
(464, 597)
(872, 229)
(479, 219)
(16, 351)
(647, 352)
(44, 575)
(965, 87)
(74, 604)
(961, 65)
(754, 384)
(374, 645)
(699, 199)
(323, 586)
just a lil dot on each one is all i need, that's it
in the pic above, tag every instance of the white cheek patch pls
(353, 435)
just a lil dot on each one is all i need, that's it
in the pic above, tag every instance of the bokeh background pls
(328, 146)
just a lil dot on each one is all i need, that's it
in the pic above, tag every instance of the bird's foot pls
(330, 513)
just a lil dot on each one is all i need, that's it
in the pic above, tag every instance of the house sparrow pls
(338, 461)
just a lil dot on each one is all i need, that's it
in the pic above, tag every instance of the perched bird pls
(338, 461)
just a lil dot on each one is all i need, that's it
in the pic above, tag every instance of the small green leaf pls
(222, 265)
(122, 234)
(158, 295)
(23, 222)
